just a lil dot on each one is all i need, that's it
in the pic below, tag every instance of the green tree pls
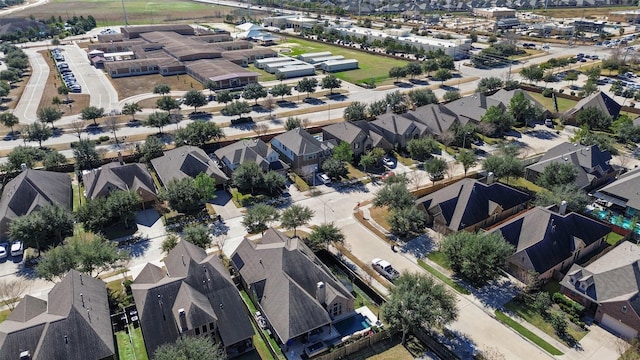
(254, 91)
(323, 235)
(495, 115)
(86, 155)
(490, 84)
(162, 89)
(476, 257)
(258, 217)
(542, 302)
(522, 109)
(170, 242)
(190, 348)
(451, 95)
(64, 90)
(557, 174)
(122, 206)
(429, 66)
(248, 176)
(435, 167)
(367, 161)
(92, 113)
(331, 82)
(295, 216)
(37, 132)
(206, 186)
(397, 72)
(93, 214)
(273, 181)
(224, 96)
(417, 302)
(395, 196)
(421, 97)
(152, 148)
(594, 118)
(281, 90)
(131, 109)
(195, 98)
(343, 152)
(197, 234)
(53, 159)
(397, 101)
(334, 168)
(182, 195)
(576, 198)
(532, 73)
(167, 103)
(237, 108)
(413, 69)
(43, 228)
(422, 148)
(408, 220)
(376, 108)
(49, 115)
(27, 155)
(355, 111)
(292, 123)
(198, 133)
(9, 120)
(557, 319)
(158, 119)
(590, 87)
(503, 166)
(308, 85)
(467, 158)
(442, 75)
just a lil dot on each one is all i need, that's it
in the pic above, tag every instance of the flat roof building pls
(495, 12)
(297, 71)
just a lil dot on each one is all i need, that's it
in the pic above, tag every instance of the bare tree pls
(112, 123)
(78, 127)
(447, 138)
(11, 291)
(491, 353)
(416, 178)
(486, 128)
(260, 129)
(268, 103)
(624, 160)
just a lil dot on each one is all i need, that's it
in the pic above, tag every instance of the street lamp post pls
(464, 139)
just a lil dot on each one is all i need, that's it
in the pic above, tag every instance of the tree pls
(122, 206)
(495, 115)
(167, 103)
(557, 320)
(397, 72)
(557, 174)
(197, 234)
(37, 132)
(308, 85)
(254, 91)
(64, 90)
(334, 168)
(571, 76)
(422, 148)
(343, 152)
(273, 181)
(158, 119)
(589, 88)
(162, 89)
(594, 118)
(198, 133)
(11, 290)
(576, 198)
(376, 108)
(49, 115)
(295, 216)
(413, 69)
(9, 120)
(395, 196)
(542, 302)
(430, 65)
(451, 95)
(224, 96)
(435, 168)
(407, 220)
(195, 98)
(490, 84)
(421, 97)
(522, 110)
(467, 158)
(206, 186)
(292, 123)
(367, 161)
(53, 159)
(397, 101)
(237, 108)
(190, 348)
(152, 148)
(211, 86)
(331, 82)
(43, 228)
(258, 217)
(27, 155)
(323, 235)
(476, 257)
(355, 111)
(169, 243)
(417, 302)
(131, 109)
(247, 176)
(182, 195)
(503, 166)
(532, 73)
(92, 113)
(281, 90)
(86, 155)
(442, 75)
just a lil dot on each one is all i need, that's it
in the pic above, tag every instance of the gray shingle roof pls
(626, 189)
(114, 176)
(395, 124)
(472, 107)
(301, 143)
(254, 150)
(344, 131)
(437, 117)
(197, 283)
(76, 324)
(186, 161)
(468, 202)
(284, 273)
(377, 139)
(598, 100)
(31, 190)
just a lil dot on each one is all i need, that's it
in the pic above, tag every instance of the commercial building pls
(261, 63)
(272, 68)
(308, 57)
(495, 12)
(296, 71)
(339, 65)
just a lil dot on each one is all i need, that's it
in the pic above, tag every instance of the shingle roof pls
(344, 131)
(468, 202)
(31, 190)
(626, 189)
(114, 176)
(284, 273)
(186, 161)
(395, 124)
(378, 140)
(437, 117)
(301, 142)
(598, 100)
(76, 325)
(544, 239)
(254, 150)
(197, 283)
(472, 107)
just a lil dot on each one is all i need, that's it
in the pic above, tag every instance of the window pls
(197, 331)
(204, 328)
(211, 326)
(336, 310)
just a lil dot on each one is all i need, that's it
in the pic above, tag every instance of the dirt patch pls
(135, 85)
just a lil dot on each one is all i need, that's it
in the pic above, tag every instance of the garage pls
(617, 327)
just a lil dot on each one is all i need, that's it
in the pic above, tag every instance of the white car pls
(17, 248)
(3, 250)
(323, 178)
(385, 269)
(388, 162)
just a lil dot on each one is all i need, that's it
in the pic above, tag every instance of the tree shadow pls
(94, 129)
(458, 342)
(200, 116)
(136, 249)
(495, 293)
(402, 84)
(542, 134)
(27, 272)
(134, 123)
(314, 101)
(12, 136)
(347, 187)
(419, 246)
(448, 88)
(56, 132)
(337, 97)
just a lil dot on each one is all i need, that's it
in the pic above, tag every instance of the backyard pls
(370, 66)
(547, 102)
(130, 349)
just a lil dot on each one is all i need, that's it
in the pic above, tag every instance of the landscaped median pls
(503, 318)
(442, 277)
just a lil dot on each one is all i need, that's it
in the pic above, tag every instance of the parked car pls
(17, 248)
(388, 162)
(323, 178)
(385, 269)
(4, 250)
(387, 175)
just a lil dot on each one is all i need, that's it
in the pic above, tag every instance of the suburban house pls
(472, 108)
(350, 133)
(505, 96)
(397, 129)
(549, 242)
(598, 100)
(114, 176)
(623, 193)
(29, 191)
(254, 150)
(187, 161)
(302, 151)
(377, 140)
(192, 295)
(591, 164)
(436, 117)
(610, 288)
(471, 205)
(297, 294)
(74, 324)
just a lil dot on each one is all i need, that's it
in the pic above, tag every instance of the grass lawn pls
(78, 196)
(238, 198)
(398, 352)
(457, 287)
(129, 86)
(581, 12)
(379, 215)
(370, 66)
(272, 341)
(523, 183)
(403, 160)
(264, 76)
(528, 334)
(563, 104)
(127, 347)
(534, 318)
(354, 173)
(438, 258)
(4, 314)
(614, 238)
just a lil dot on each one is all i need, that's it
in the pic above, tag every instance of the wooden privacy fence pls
(360, 344)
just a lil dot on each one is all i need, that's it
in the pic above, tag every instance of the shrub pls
(561, 91)
(547, 92)
(103, 138)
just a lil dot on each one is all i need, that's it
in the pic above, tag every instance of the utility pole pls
(124, 12)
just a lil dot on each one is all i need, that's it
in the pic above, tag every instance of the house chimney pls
(490, 178)
(562, 209)
(321, 293)
(23, 167)
(82, 298)
(120, 160)
(388, 109)
(183, 320)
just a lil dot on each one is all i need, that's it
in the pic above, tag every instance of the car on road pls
(388, 162)
(323, 178)
(385, 269)
(4, 250)
(17, 248)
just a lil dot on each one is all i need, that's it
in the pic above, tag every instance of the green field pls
(563, 104)
(527, 333)
(125, 348)
(370, 66)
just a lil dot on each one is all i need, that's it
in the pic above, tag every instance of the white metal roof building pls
(261, 63)
(339, 65)
(272, 68)
(325, 58)
(297, 71)
(308, 56)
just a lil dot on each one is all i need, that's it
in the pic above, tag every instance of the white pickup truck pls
(385, 269)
